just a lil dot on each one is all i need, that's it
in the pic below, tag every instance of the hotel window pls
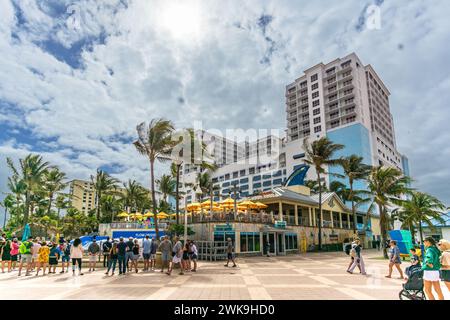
(227, 176)
(267, 176)
(251, 170)
(250, 242)
(244, 188)
(303, 84)
(317, 129)
(244, 180)
(315, 94)
(314, 77)
(314, 86)
(235, 174)
(316, 103)
(256, 178)
(277, 182)
(267, 183)
(316, 112)
(316, 120)
(256, 185)
(242, 173)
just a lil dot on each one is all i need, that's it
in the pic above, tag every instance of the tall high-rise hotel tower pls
(346, 101)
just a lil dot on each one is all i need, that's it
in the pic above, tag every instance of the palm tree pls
(421, 208)
(8, 203)
(53, 183)
(354, 169)
(319, 154)
(314, 186)
(133, 193)
(103, 184)
(190, 150)
(32, 170)
(387, 185)
(17, 188)
(111, 205)
(167, 186)
(156, 143)
(61, 203)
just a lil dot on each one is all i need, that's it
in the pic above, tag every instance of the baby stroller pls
(413, 288)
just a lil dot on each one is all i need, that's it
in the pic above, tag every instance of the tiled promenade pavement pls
(304, 276)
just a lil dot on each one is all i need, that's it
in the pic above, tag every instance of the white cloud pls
(133, 70)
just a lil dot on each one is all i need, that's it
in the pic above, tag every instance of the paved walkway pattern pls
(305, 276)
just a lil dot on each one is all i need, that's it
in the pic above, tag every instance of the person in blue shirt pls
(153, 248)
(394, 259)
(54, 255)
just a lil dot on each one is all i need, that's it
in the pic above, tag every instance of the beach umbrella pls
(26, 232)
(227, 201)
(207, 203)
(122, 215)
(248, 204)
(261, 205)
(148, 214)
(162, 215)
(193, 206)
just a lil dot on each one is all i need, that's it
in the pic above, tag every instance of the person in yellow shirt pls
(44, 252)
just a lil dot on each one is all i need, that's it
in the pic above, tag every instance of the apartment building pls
(347, 101)
(83, 195)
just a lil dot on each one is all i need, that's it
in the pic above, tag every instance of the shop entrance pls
(276, 243)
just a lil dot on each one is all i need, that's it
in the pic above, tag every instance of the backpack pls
(348, 248)
(67, 250)
(353, 252)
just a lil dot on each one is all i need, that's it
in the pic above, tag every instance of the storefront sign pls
(135, 234)
(280, 224)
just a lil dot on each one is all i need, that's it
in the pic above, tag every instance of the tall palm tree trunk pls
(383, 230)
(26, 212)
(421, 232)
(353, 206)
(320, 211)
(4, 218)
(50, 200)
(177, 194)
(97, 209)
(152, 184)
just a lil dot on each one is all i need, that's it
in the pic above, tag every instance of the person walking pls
(112, 259)
(444, 246)
(177, 251)
(146, 250)
(394, 259)
(25, 255)
(122, 256)
(76, 254)
(44, 253)
(106, 250)
(230, 255)
(93, 252)
(5, 254)
(14, 252)
(357, 258)
(135, 258)
(35, 253)
(153, 249)
(431, 266)
(53, 258)
(185, 262)
(193, 255)
(129, 254)
(166, 249)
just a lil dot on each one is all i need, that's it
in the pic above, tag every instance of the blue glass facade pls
(356, 139)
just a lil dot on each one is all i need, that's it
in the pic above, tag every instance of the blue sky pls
(77, 76)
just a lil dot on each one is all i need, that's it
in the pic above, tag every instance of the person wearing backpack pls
(25, 255)
(106, 249)
(355, 253)
(65, 259)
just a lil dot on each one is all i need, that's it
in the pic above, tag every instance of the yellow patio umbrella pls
(261, 205)
(193, 206)
(123, 215)
(207, 203)
(227, 201)
(148, 214)
(162, 215)
(248, 204)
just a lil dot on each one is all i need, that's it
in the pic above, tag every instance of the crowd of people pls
(434, 262)
(35, 254)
